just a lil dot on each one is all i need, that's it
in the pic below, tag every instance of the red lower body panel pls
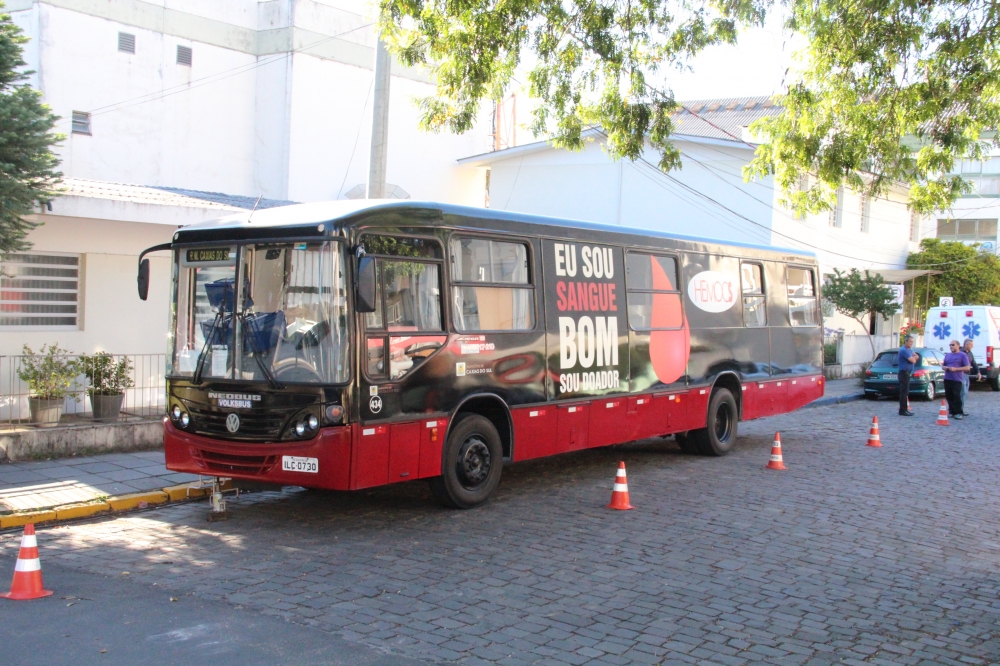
(350, 457)
(357, 456)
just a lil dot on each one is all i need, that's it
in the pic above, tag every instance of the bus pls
(347, 345)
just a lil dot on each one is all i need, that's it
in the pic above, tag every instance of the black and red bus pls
(347, 345)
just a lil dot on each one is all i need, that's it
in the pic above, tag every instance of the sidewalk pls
(838, 391)
(90, 484)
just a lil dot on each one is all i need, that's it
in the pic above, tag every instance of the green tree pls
(28, 175)
(968, 274)
(856, 295)
(887, 91)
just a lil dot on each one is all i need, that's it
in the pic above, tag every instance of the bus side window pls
(654, 301)
(754, 300)
(801, 297)
(491, 287)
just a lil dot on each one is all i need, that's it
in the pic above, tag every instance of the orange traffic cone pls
(775, 462)
(873, 439)
(908, 408)
(27, 583)
(619, 496)
(943, 414)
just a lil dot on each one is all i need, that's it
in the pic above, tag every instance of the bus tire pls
(472, 462)
(718, 438)
(687, 443)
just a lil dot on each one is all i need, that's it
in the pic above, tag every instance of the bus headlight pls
(300, 428)
(312, 422)
(175, 413)
(185, 420)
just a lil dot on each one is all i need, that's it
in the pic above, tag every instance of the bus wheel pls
(718, 438)
(688, 444)
(473, 460)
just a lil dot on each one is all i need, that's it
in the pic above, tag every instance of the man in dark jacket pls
(973, 371)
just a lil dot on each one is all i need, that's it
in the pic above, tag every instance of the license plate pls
(297, 464)
(888, 376)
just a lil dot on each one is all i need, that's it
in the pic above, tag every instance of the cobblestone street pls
(853, 555)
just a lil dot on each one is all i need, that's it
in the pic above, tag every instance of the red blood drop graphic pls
(668, 350)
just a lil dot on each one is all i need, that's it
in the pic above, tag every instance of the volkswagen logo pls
(233, 422)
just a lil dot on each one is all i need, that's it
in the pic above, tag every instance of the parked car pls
(927, 380)
(980, 323)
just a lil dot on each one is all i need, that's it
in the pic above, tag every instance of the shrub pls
(107, 376)
(49, 374)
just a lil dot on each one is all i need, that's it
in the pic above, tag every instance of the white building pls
(249, 98)
(706, 197)
(973, 218)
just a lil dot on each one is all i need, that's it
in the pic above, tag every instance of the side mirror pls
(365, 301)
(143, 279)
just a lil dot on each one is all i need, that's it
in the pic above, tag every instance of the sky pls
(755, 66)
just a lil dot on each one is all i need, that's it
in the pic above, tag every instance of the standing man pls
(967, 348)
(955, 365)
(907, 360)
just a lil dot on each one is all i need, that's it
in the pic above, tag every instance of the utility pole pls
(380, 123)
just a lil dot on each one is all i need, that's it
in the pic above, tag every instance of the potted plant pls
(49, 375)
(108, 380)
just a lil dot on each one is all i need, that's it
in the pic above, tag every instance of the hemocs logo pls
(712, 291)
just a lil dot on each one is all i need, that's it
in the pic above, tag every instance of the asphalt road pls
(95, 619)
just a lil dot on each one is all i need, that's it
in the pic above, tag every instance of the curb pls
(184, 492)
(837, 399)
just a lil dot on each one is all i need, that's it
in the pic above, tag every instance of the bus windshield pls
(284, 319)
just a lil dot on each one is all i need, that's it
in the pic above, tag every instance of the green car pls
(927, 380)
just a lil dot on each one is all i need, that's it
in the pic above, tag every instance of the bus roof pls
(310, 214)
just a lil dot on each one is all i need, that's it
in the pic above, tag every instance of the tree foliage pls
(969, 275)
(28, 173)
(856, 295)
(888, 91)
(892, 91)
(592, 62)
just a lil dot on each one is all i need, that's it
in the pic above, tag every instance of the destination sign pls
(198, 257)
(208, 254)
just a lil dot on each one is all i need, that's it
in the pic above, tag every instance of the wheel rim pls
(723, 423)
(931, 391)
(474, 462)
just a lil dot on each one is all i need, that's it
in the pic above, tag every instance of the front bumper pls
(195, 454)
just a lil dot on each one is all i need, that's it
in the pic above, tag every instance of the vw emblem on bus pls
(375, 404)
(233, 422)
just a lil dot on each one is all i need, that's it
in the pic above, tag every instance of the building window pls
(866, 213)
(184, 55)
(126, 42)
(81, 122)
(39, 290)
(654, 300)
(483, 273)
(967, 230)
(837, 214)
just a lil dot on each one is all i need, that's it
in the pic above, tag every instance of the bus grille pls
(262, 427)
(226, 463)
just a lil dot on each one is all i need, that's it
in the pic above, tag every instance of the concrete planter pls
(106, 407)
(45, 412)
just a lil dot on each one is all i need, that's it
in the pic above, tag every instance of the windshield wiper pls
(272, 382)
(201, 357)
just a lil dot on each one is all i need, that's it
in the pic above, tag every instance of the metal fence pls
(144, 399)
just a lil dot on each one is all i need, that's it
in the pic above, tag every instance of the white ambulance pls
(980, 323)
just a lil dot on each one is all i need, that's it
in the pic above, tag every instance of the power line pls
(757, 224)
(357, 136)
